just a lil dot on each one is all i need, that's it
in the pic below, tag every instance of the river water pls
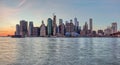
(59, 51)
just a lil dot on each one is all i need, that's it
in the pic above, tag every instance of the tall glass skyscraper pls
(49, 27)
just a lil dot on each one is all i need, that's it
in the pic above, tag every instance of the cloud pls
(22, 3)
(8, 11)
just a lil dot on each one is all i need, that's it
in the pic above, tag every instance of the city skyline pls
(70, 28)
(103, 12)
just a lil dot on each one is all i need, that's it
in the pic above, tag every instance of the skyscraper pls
(61, 27)
(67, 27)
(30, 31)
(17, 29)
(90, 25)
(76, 24)
(49, 27)
(23, 28)
(42, 29)
(60, 21)
(36, 31)
(54, 25)
(85, 28)
(71, 26)
(114, 27)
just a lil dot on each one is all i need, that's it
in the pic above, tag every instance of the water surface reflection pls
(60, 51)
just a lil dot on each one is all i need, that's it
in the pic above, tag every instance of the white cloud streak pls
(22, 3)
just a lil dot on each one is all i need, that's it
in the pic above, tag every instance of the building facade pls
(30, 31)
(23, 28)
(36, 31)
(42, 29)
(76, 24)
(17, 29)
(114, 27)
(54, 25)
(85, 28)
(90, 25)
(61, 27)
(71, 26)
(49, 27)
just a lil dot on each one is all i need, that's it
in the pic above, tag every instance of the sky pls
(103, 12)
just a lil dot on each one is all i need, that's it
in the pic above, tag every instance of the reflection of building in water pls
(114, 51)
(8, 53)
(88, 52)
(51, 53)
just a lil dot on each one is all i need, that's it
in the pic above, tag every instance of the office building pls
(71, 26)
(23, 28)
(42, 29)
(17, 29)
(36, 31)
(85, 28)
(67, 27)
(49, 27)
(114, 27)
(54, 25)
(30, 30)
(76, 24)
(61, 27)
(90, 24)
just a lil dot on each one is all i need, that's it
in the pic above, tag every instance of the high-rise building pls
(90, 24)
(42, 29)
(61, 27)
(71, 26)
(23, 28)
(114, 27)
(30, 31)
(54, 25)
(67, 27)
(85, 28)
(17, 29)
(76, 24)
(49, 27)
(60, 21)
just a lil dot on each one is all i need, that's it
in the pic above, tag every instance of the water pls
(59, 51)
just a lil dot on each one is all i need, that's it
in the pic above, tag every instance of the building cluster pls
(111, 29)
(69, 29)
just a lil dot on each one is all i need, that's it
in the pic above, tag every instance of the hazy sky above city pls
(103, 12)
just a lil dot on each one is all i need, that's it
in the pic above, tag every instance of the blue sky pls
(103, 12)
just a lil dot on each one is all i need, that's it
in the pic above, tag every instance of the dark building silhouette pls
(30, 30)
(17, 29)
(23, 28)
